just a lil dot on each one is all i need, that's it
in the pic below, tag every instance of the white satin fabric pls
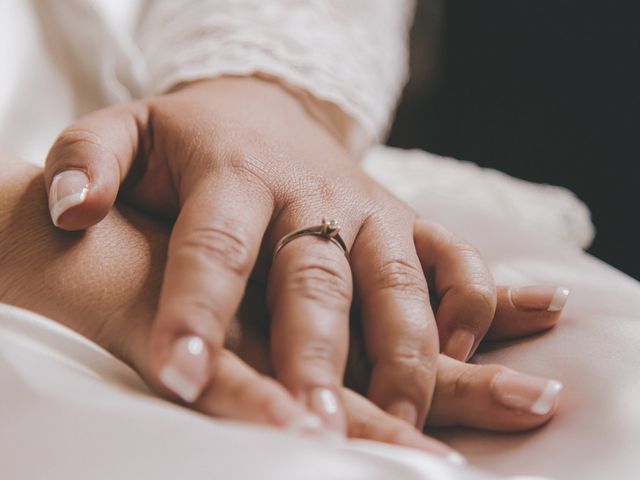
(69, 410)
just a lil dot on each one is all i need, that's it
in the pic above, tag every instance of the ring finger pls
(309, 296)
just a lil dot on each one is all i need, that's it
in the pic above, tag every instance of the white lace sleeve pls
(352, 53)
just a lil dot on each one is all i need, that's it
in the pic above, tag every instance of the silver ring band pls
(329, 229)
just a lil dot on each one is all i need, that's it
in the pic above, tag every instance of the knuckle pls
(77, 135)
(248, 167)
(78, 139)
(481, 297)
(450, 239)
(466, 252)
(221, 244)
(198, 313)
(468, 256)
(321, 282)
(485, 294)
(463, 382)
(402, 278)
(320, 360)
(417, 365)
(473, 377)
(481, 290)
(318, 350)
(453, 245)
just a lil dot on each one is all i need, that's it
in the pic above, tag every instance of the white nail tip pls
(327, 400)
(547, 399)
(306, 423)
(195, 345)
(65, 203)
(179, 384)
(457, 459)
(559, 299)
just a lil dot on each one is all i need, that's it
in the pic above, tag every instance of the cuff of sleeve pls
(339, 62)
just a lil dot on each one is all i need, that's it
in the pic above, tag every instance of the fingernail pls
(294, 418)
(460, 344)
(186, 371)
(415, 439)
(312, 426)
(404, 410)
(325, 403)
(539, 298)
(306, 423)
(525, 392)
(68, 189)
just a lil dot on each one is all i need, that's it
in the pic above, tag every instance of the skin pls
(240, 162)
(110, 278)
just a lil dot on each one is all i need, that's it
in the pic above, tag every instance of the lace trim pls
(353, 54)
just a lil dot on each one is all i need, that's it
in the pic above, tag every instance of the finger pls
(368, 422)
(491, 397)
(211, 252)
(400, 335)
(239, 392)
(309, 296)
(89, 160)
(527, 310)
(463, 285)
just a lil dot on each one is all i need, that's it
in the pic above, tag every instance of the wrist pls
(326, 115)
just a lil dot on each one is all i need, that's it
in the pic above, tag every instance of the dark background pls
(548, 91)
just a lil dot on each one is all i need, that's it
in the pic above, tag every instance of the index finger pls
(212, 250)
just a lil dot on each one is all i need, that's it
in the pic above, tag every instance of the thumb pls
(88, 162)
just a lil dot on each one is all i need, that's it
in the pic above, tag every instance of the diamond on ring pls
(328, 229)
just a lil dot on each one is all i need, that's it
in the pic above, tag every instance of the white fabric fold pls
(70, 410)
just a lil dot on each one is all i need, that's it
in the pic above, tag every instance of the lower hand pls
(122, 298)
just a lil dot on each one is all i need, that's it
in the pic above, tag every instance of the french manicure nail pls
(404, 410)
(539, 298)
(68, 189)
(305, 424)
(325, 403)
(519, 391)
(460, 344)
(294, 418)
(186, 371)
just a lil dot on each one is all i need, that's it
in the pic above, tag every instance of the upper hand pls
(239, 163)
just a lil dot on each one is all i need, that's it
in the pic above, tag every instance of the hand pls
(241, 163)
(115, 308)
